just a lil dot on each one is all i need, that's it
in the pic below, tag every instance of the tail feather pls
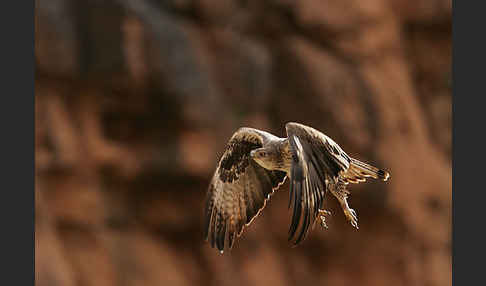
(367, 170)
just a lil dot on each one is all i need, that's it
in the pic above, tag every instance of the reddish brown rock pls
(133, 111)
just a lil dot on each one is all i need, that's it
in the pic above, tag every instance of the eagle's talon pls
(323, 222)
(353, 213)
(352, 217)
(322, 215)
(325, 213)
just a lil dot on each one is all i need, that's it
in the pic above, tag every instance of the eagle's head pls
(268, 158)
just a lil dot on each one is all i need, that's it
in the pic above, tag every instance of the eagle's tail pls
(368, 170)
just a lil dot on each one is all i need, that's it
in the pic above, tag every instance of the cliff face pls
(135, 101)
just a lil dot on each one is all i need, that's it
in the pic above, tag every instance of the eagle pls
(256, 163)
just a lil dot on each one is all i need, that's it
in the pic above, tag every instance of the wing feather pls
(239, 189)
(315, 157)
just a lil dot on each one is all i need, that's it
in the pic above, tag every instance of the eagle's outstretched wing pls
(239, 188)
(317, 162)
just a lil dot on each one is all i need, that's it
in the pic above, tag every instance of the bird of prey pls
(255, 163)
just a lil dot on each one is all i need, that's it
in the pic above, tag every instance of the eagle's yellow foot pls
(322, 215)
(351, 216)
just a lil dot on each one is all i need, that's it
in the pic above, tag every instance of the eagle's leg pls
(322, 215)
(349, 213)
(341, 194)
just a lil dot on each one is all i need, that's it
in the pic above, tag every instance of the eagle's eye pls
(263, 153)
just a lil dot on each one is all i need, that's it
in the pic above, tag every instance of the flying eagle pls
(255, 164)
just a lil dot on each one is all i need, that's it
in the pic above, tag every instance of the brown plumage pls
(255, 164)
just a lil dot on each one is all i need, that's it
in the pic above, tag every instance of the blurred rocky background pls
(135, 101)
